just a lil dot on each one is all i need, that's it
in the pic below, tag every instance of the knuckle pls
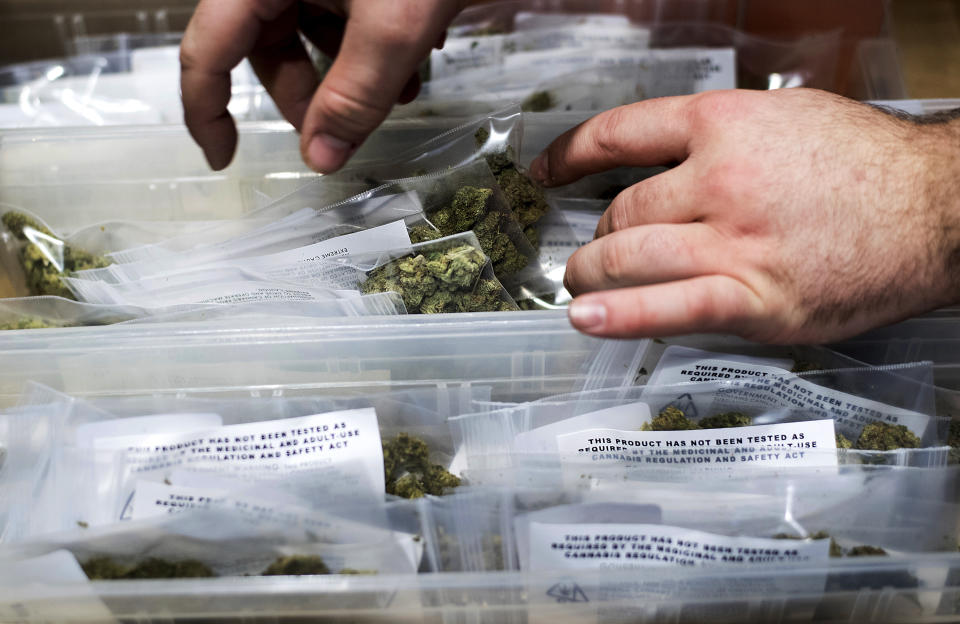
(719, 108)
(607, 132)
(352, 115)
(619, 217)
(725, 182)
(615, 260)
(396, 34)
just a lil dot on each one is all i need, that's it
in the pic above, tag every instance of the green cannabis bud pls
(673, 419)
(866, 551)
(880, 436)
(835, 549)
(423, 233)
(43, 276)
(471, 210)
(670, 419)
(106, 569)
(843, 442)
(537, 102)
(803, 366)
(441, 279)
(296, 565)
(408, 471)
(725, 420)
(27, 322)
(525, 196)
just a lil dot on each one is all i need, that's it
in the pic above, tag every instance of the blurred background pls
(891, 49)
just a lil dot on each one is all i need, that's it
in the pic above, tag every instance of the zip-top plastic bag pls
(46, 312)
(301, 228)
(450, 274)
(396, 443)
(592, 79)
(458, 200)
(45, 259)
(462, 53)
(734, 426)
(562, 232)
(280, 265)
(762, 62)
(890, 513)
(211, 542)
(496, 138)
(209, 236)
(229, 285)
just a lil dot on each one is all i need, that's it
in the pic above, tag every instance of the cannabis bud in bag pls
(444, 278)
(45, 259)
(409, 471)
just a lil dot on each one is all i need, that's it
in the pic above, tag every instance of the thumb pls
(382, 45)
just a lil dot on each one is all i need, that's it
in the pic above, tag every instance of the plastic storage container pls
(522, 355)
(916, 589)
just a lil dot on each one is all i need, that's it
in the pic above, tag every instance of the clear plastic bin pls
(916, 589)
(522, 355)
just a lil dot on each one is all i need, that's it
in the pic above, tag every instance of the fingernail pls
(587, 315)
(540, 170)
(328, 153)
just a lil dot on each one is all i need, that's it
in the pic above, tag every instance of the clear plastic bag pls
(46, 312)
(45, 258)
(858, 513)
(462, 198)
(450, 274)
(228, 285)
(213, 542)
(118, 444)
(305, 228)
(312, 206)
(557, 432)
(762, 63)
(460, 53)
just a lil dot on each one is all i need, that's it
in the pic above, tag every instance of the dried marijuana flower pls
(42, 274)
(106, 569)
(866, 551)
(471, 210)
(409, 472)
(670, 419)
(296, 565)
(843, 442)
(525, 196)
(445, 278)
(880, 436)
(537, 102)
(673, 419)
(803, 366)
(725, 420)
(27, 322)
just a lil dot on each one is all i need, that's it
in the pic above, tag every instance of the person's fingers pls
(644, 255)
(645, 134)
(410, 90)
(220, 34)
(382, 45)
(664, 198)
(288, 75)
(708, 304)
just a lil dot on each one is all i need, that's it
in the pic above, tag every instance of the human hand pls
(376, 46)
(794, 216)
